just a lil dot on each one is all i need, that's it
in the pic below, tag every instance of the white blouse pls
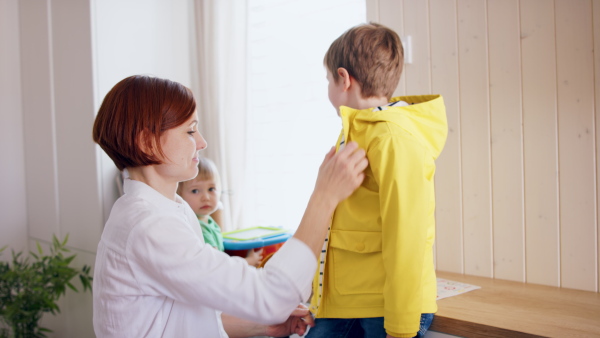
(155, 277)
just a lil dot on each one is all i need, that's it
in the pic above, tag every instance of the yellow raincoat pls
(380, 257)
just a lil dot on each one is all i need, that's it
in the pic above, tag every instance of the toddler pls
(203, 194)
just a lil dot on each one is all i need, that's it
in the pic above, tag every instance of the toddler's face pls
(202, 195)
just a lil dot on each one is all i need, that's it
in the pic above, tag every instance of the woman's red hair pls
(134, 115)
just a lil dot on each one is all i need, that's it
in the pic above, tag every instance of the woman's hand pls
(296, 323)
(341, 173)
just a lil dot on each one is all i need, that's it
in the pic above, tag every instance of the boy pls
(376, 274)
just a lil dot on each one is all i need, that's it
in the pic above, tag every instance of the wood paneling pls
(416, 25)
(391, 14)
(444, 79)
(506, 139)
(517, 183)
(540, 142)
(475, 130)
(596, 13)
(575, 81)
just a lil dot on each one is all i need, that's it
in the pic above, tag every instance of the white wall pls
(58, 59)
(63, 195)
(13, 210)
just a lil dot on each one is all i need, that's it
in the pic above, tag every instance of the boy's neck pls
(203, 218)
(371, 102)
(356, 100)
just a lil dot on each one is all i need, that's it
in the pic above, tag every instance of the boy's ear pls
(344, 77)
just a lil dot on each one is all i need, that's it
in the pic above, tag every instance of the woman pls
(154, 275)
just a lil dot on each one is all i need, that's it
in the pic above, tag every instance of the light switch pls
(407, 45)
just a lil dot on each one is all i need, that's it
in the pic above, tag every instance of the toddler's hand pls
(254, 257)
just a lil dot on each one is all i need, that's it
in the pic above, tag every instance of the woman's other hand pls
(296, 324)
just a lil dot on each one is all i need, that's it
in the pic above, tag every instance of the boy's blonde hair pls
(207, 170)
(372, 54)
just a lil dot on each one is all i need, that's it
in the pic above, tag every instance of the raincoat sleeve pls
(397, 162)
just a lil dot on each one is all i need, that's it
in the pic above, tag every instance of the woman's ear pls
(345, 78)
(146, 143)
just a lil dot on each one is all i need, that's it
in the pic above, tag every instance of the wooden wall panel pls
(596, 22)
(540, 142)
(517, 184)
(506, 139)
(475, 130)
(372, 11)
(576, 143)
(416, 25)
(391, 14)
(444, 80)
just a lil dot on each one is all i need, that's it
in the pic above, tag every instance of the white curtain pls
(219, 85)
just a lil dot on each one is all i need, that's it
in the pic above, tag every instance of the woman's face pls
(180, 146)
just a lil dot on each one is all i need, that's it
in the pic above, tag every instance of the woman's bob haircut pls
(134, 115)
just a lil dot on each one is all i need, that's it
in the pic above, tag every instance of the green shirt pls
(212, 233)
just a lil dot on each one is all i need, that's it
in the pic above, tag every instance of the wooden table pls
(513, 309)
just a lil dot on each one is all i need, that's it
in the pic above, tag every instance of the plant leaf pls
(72, 287)
(65, 240)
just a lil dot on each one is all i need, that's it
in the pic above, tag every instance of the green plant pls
(30, 287)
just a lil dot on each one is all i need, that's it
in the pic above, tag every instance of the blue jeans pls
(358, 327)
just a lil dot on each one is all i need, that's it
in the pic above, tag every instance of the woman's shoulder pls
(130, 205)
(130, 212)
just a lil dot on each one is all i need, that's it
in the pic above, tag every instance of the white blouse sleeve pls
(168, 258)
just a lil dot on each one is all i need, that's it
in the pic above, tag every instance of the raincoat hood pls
(424, 118)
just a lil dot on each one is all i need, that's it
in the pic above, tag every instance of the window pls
(291, 124)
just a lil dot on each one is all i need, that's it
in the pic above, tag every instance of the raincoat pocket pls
(357, 262)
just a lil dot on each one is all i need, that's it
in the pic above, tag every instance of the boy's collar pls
(398, 103)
